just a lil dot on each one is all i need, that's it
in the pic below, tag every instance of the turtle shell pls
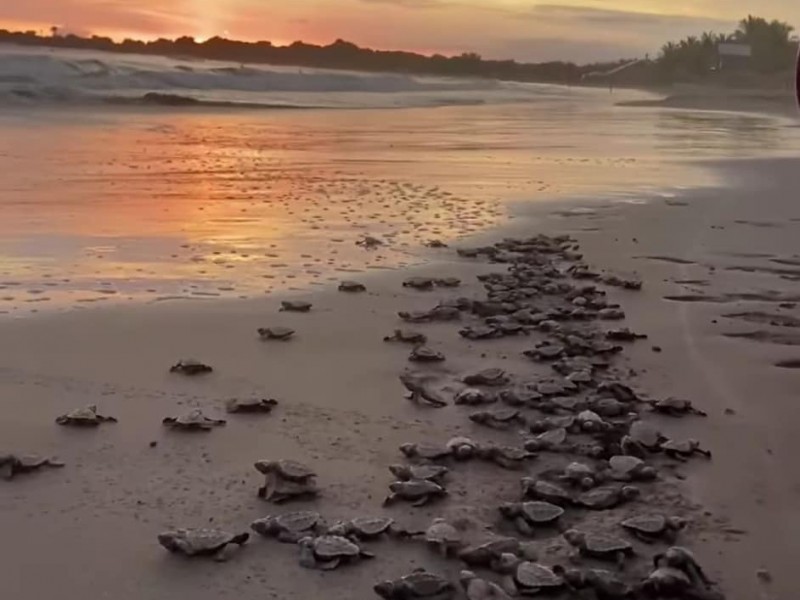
(647, 524)
(483, 554)
(442, 532)
(419, 283)
(474, 396)
(87, 414)
(554, 437)
(295, 306)
(426, 451)
(533, 575)
(371, 526)
(287, 469)
(422, 584)
(250, 405)
(544, 490)
(491, 377)
(478, 332)
(298, 521)
(193, 542)
(680, 447)
(600, 498)
(276, 333)
(426, 354)
(576, 471)
(603, 545)
(645, 434)
(539, 512)
(415, 489)
(190, 366)
(623, 465)
(408, 336)
(352, 286)
(426, 472)
(550, 388)
(28, 462)
(582, 376)
(330, 547)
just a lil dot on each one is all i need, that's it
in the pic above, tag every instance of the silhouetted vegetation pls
(692, 59)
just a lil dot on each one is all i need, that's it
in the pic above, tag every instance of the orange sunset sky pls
(522, 29)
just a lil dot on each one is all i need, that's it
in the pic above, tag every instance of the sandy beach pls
(720, 271)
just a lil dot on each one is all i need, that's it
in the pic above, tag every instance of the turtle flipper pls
(329, 565)
(421, 502)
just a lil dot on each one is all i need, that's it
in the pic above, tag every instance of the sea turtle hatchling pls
(286, 480)
(527, 516)
(435, 473)
(369, 242)
(250, 405)
(194, 420)
(479, 332)
(202, 542)
(525, 578)
(502, 418)
(420, 389)
(463, 448)
(683, 450)
(190, 366)
(291, 470)
(629, 468)
(407, 336)
(426, 354)
(417, 585)
(539, 489)
(486, 554)
(84, 417)
(365, 528)
(448, 282)
(649, 528)
(604, 584)
(474, 397)
(476, 588)
(352, 287)
(12, 465)
(603, 498)
(417, 491)
(295, 306)
(328, 552)
(684, 560)
(289, 528)
(444, 537)
(675, 407)
(431, 452)
(601, 547)
(507, 457)
(276, 333)
(488, 377)
(419, 283)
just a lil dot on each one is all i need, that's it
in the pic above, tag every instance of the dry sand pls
(88, 530)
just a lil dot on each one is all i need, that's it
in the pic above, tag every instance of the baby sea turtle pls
(406, 336)
(528, 578)
(275, 333)
(476, 588)
(430, 452)
(539, 489)
(497, 419)
(649, 528)
(629, 468)
(619, 391)
(603, 498)
(286, 480)
(435, 473)
(438, 313)
(352, 287)
(578, 474)
(190, 366)
(295, 306)
(611, 314)
(669, 582)
(425, 354)
(599, 546)
(363, 528)
(328, 552)
(250, 405)
(474, 397)
(194, 420)
(290, 470)
(291, 527)
(624, 335)
(489, 377)
(507, 457)
(604, 584)
(462, 448)
(449, 282)
(84, 417)
(682, 559)
(444, 537)
(527, 516)
(417, 491)
(552, 440)
(12, 465)
(419, 283)
(591, 422)
(369, 242)
(545, 352)
(487, 553)
(417, 585)
(646, 435)
(435, 244)
(676, 407)
(683, 450)
(201, 542)
(479, 332)
(420, 390)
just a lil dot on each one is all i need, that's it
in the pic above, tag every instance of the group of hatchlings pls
(619, 451)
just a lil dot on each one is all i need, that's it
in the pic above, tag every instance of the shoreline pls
(342, 408)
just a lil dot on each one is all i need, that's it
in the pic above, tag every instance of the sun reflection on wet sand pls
(143, 206)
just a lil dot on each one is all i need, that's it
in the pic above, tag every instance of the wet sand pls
(89, 529)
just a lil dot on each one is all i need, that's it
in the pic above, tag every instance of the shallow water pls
(102, 205)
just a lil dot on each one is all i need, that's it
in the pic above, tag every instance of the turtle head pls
(465, 577)
(400, 471)
(648, 473)
(264, 526)
(676, 523)
(387, 589)
(478, 417)
(408, 449)
(305, 542)
(508, 509)
(506, 563)
(264, 466)
(574, 537)
(587, 483)
(339, 528)
(527, 483)
(630, 492)
(574, 577)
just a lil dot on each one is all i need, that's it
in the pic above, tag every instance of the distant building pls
(731, 55)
